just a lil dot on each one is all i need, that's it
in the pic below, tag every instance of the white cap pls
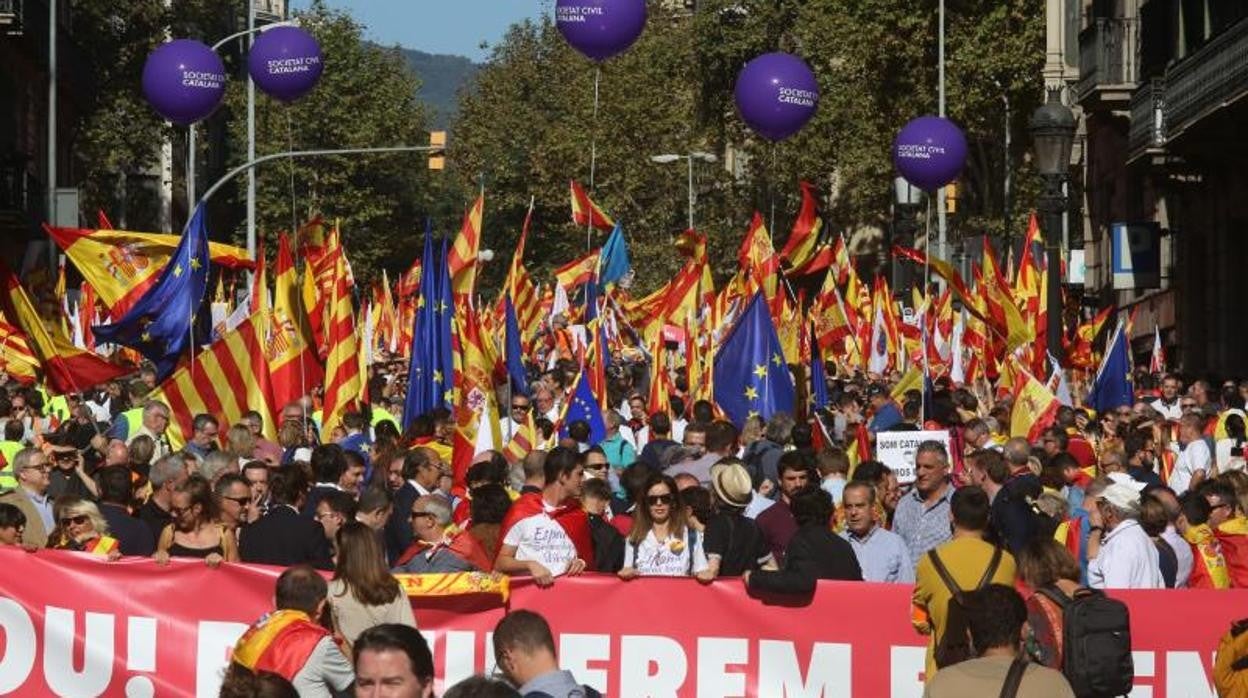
(1125, 479)
(1123, 496)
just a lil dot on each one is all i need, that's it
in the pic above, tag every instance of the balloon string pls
(771, 223)
(927, 261)
(593, 158)
(290, 146)
(190, 310)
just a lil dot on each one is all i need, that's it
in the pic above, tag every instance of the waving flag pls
(1112, 387)
(614, 262)
(800, 248)
(122, 265)
(758, 258)
(578, 271)
(16, 358)
(430, 368)
(1035, 406)
(474, 406)
(818, 377)
(1157, 362)
(584, 406)
(293, 362)
(511, 349)
(751, 375)
(462, 260)
(67, 369)
(344, 381)
(159, 324)
(587, 213)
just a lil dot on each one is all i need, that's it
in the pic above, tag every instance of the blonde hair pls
(74, 506)
(240, 441)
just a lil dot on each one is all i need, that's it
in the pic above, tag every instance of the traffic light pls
(951, 197)
(437, 157)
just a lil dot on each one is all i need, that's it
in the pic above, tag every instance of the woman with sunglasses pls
(661, 542)
(195, 531)
(81, 527)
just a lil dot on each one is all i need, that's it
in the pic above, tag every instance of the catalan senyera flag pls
(121, 265)
(463, 256)
(296, 370)
(1035, 406)
(344, 384)
(16, 358)
(66, 368)
(578, 271)
(804, 238)
(225, 380)
(587, 213)
(520, 288)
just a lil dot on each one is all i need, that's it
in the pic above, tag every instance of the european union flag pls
(159, 324)
(1112, 387)
(751, 375)
(514, 353)
(429, 373)
(613, 261)
(445, 309)
(818, 376)
(584, 406)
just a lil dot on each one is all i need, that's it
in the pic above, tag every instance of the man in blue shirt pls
(882, 554)
(886, 414)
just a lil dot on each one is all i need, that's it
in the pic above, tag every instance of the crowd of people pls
(1150, 495)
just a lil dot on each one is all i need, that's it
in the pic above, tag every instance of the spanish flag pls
(800, 248)
(292, 358)
(67, 368)
(121, 265)
(16, 358)
(225, 380)
(587, 213)
(757, 257)
(1035, 406)
(578, 271)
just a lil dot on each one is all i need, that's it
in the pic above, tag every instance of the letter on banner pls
(20, 643)
(715, 655)
(461, 656)
(651, 665)
(215, 640)
(576, 651)
(906, 668)
(58, 653)
(827, 674)
(1185, 676)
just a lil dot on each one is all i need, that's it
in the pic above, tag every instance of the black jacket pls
(133, 536)
(399, 528)
(814, 553)
(1012, 521)
(283, 537)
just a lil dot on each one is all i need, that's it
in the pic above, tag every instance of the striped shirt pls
(923, 526)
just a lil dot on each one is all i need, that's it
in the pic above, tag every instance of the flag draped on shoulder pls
(122, 265)
(587, 213)
(225, 380)
(1112, 387)
(751, 374)
(160, 324)
(66, 368)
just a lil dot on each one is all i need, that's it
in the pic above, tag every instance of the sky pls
(437, 26)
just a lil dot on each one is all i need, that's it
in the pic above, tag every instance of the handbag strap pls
(1013, 679)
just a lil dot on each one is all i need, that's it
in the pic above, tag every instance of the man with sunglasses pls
(1230, 526)
(432, 549)
(517, 417)
(31, 467)
(234, 501)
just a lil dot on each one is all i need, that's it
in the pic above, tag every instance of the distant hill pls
(441, 77)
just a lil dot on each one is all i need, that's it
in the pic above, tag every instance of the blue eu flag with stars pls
(818, 373)
(429, 370)
(1112, 387)
(584, 406)
(158, 325)
(751, 375)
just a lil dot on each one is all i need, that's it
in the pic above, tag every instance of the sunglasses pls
(178, 511)
(520, 408)
(75, 520)
(241, 501)
(655, 500)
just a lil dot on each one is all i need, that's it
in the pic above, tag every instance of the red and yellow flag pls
(225, 380)
(121, 265)
(587, 213)
(1002, 311)
(473, 390)
(1027, 283)
(578, 271)
(1035, 406)
(462, 258)
(758, 259)
(67, 369)
(800, 248)
(296, 370)
(16, 358)
(344, 383)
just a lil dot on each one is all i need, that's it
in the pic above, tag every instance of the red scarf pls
(570, 517)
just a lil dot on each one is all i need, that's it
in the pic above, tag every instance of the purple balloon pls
(777, 94)
(285, 62)
(930, 152)
(600, 28)
(184, 80)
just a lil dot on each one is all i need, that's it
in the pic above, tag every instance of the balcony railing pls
(20, 192)
(11, 16)
(1211, 78)
(1109, 58)
(1147, 132)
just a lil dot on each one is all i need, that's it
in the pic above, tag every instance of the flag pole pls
(927, 260)
(593, 158)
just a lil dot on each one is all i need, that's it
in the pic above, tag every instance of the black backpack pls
(955, 643)
(1096, 642)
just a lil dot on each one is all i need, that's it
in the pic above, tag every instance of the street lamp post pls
(1053, 135)
(906, 198)
(667, 158)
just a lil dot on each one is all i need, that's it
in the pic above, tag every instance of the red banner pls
(71, 624)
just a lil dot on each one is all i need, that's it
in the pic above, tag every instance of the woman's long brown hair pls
(642, 523)
(362, 565)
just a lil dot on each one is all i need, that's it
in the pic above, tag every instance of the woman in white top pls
(362, 592)
(1229, 452)
(661, 543)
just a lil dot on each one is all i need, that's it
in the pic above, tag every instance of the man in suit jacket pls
(813, 553)
(282, 536)
(31, 468)
(133, 536)
(328, 465)
(422, 469)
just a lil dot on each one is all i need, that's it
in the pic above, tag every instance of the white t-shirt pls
(1225, 460)
(540, 538)
(1194, 457)
(1172, 412)
(666, 558)
(1128, 560)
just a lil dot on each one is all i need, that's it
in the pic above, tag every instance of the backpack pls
(1096, 642)
(955, 643)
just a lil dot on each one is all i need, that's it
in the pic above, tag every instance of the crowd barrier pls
(74, 625)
